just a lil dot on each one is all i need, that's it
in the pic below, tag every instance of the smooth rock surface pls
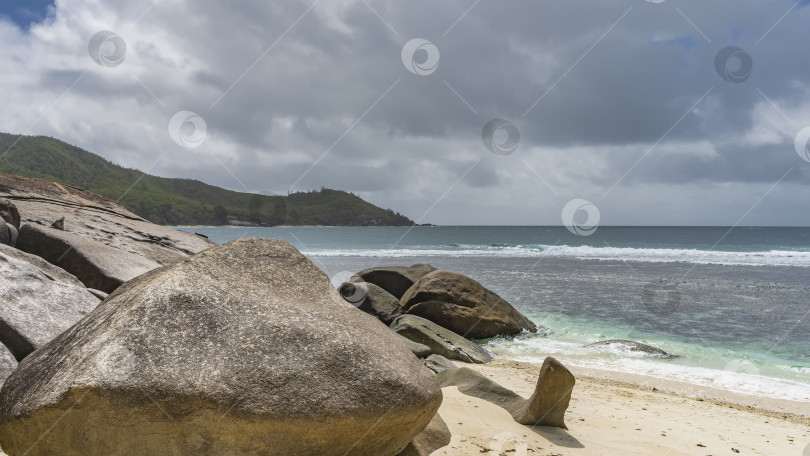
(37, 301)
(95, 264)
(421, 351)
(395, 279)
(6, 236)
(373, 300)
(463, 306)
(441, 341)
(97, 218)
(546, 407)
(438, 363)
(243, 349)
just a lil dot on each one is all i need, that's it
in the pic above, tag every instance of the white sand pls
(608, 417)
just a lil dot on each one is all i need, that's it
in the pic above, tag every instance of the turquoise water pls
(735, 311)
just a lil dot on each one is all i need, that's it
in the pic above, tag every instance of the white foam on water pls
(734, 377)
(694, 256)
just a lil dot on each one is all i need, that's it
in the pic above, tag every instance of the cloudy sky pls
(676, 112)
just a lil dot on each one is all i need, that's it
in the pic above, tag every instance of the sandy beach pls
(611, 416)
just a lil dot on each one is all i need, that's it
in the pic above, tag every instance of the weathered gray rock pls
(37, 301)
(6, 236)
(441, 341)
(546, 407)
(436, 435)
(395, 279)
(59, 224)
(421, 351)
(9, 213)
(245, 348)
(98, 293)
(464, 306)
(373, 300)
(13, 236)
(632, 346)
(438, 363)
(95, 264)
(97, 218)
(7, 364)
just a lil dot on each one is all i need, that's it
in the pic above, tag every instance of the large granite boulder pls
(245, 348)
(441, 341)
(464, 306)
(371, 299)
(97, 265)
(37, 301)
(95, 217)
(395, 279)
(7, 364)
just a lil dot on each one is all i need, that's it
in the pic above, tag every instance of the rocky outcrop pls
(8, 234)
(97, 218)
(245, 348)
(395, 279)
(438, 363)
(7, 364)
(421, 351)
(635, 347)
(372, 300)
(441, 341)
(9, 213)
(95, 264)
(546, 407)
(464, 306)
(436, 435)
(39, 301)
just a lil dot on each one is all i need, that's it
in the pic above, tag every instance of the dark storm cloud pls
(611, 97)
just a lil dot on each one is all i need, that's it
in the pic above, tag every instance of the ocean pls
(732, 304)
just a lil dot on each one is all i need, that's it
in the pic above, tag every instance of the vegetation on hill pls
(184, 201)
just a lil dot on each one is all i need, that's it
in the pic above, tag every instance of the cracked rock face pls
(97, 218)
(245, 348)
(37, 301)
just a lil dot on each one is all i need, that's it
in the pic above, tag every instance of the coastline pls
(615, 413)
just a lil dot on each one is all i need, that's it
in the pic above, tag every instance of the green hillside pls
(183, 201)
